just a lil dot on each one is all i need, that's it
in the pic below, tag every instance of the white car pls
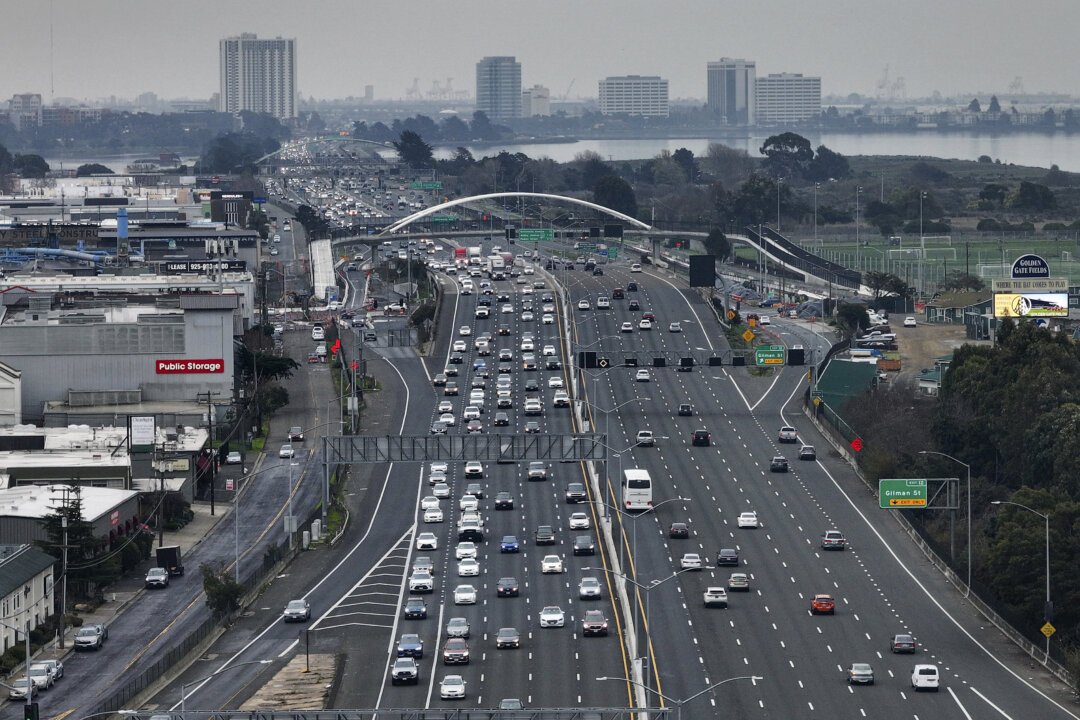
(507, 309)
(764, 320)
(645, 438)
(528, 270)
(427, 541)
(635, 268)
(452, 687)
(925, 676)
(428, 502)
(527, 345)
(465, 550)
(645, 324)
(643, 375)
(674, 327)
(468, 567)
(552, 616)
(468, 503)
(440, 467)
(286, 451)
(548, 351)
(465, 331)
(583, 305)
(448, 419)
(690, 561)
(527, 316)
(602, 303)
(444, 407)
(441, 490)
(465, 595)
(460, 346)
(555, 381)
(471, 413)
(909, 322)
(482, 312)
(627, 327)
(579, 521)
(551, 564)
(474, 469)
(548, 319)
(748, 520)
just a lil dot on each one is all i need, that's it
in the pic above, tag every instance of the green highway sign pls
(426, 185)
(612, 253)
(586, 247)
(894, 493)
(444, 218)
(769, 355)
(535, 234)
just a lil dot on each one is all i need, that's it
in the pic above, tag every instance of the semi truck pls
(170, 558)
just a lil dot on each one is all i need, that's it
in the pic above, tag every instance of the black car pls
(502, 418)
(633, 305)
(702, 438)
(807, 452)
(598, 270)
(584, 545)
(618, 294)
(631, 287)
(727, 556)
(507, 587)
(686, 409)
(532, 385)
(545, 535)
(778, 464)
(456, 358)
(504, 330)
(553, 363)
(679, 530)
(504, 501)
(575, 493)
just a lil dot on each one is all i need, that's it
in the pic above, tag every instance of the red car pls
(822, 605)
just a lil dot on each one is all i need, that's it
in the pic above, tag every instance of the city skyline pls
(172, 50)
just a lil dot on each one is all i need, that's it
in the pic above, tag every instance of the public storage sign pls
(167, 367)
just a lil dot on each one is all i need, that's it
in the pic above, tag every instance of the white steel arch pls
(461, 201)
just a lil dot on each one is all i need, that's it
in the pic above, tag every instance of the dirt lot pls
(919, 346)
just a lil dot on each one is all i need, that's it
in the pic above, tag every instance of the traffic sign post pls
(769, 355)
(894, 493)
(535, 234)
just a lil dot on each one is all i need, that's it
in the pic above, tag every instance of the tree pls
(235, 152)
(31, 166)
(252, 364)
(851, 317)
(974, 106)
(685, 159)
(223, 593)
(827, 165)
(613, 192)
(592, 167)
(92, 169)
(413, 151)
(1031, 196)
(87, 568)
(957, 280)
(995, 106)
(787, 155)
(728, 165)
(753, 202)
(995, 193)
(717, 244)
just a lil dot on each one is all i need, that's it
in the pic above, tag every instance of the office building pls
(535, 101)
(786, 98)
(25, 111)
(258, 75)
(730, 92)
(498, 88)
(643, 96)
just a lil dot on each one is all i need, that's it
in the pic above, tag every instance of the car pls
(778, 464)
(686, 409)
(603, 303)
(807, 452)
(507, 309)
(679, 530)
(690, 561)
(597, 271)
(458, 627)
(440, 490)
(584, 545)
(286, 451)
(860, 674)
(925, 677)
(822, 605)
(645, 324)
(41, 676)
(410, 645)
(727, 556)
(833, 540)
(701, 438)
(448, 419)
(429, 501)
(438, 428)
(748, 520)
(91, 636)
(537, 470)
(405, 671)
(474, 469)
(445, 406)
(455, 652)
(509, 544)
(552, 616)
(459, 346)
(902, 643)
(594, 623)
(583, 304)
(527, 345)
(470, 413)
(627, 327)
(909, 321)
(532, 427)
(533, 406)
(56, 666)
(433, 515)
(674, 327)
(504, 501)
(553, 363)
(544, 535)
(465, 331)
(421, 582)
(561, 399)
(551, 564)
(642, 375)
(532, 385)
(482, 312)
(580, 521)
(738, 581)
(450, 390)
(423, 562)
(233, 458)
(465, 595)
(715, 597)
(506, 354)
(547, 319)
(575, 493)
(504, 330)
(527, 316)
(589, 589)
(468, 567)
(788, 434)
(156, 577)
(555, 382)
(415, 609)
(506, 587)
(20, 687)
(764, 320)
(507, 637)
(427, 541)
(548, 351)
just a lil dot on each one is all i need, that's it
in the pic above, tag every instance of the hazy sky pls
(126, 47)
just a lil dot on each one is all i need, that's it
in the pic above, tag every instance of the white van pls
(317, 333)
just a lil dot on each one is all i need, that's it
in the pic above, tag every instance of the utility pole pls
(63, 581)
(213, 451)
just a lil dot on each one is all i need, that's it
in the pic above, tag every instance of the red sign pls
(215, 179)
(184, 367)
(856, 444)
(114, 518)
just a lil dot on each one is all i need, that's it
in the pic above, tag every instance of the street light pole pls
(922, 243)
(679, 703)
(858, 251)
(816, 187)
(1048, 608)
(779, 182)
(961, 462)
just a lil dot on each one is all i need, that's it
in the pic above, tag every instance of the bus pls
(636, 490)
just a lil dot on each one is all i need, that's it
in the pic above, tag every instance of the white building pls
(25, 110)
(535, 101)
(731, 90)
(498, 87)
(644, 96)
(26, 590)
(258, 75)
(787, 98)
